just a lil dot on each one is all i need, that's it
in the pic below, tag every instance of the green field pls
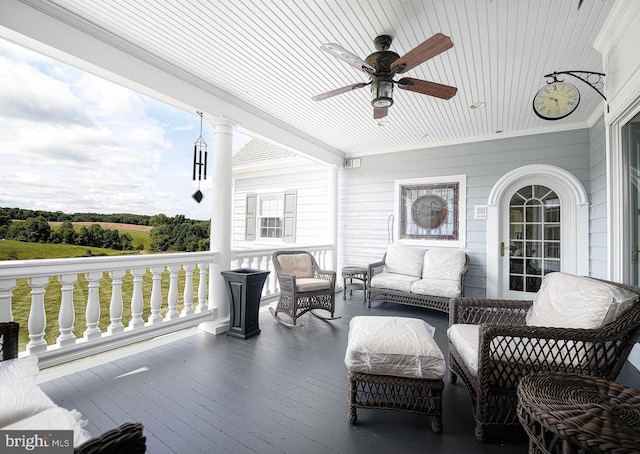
(19, 250)
(16, 250)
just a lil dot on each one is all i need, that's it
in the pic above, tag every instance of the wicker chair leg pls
(481, 433)
(352, 415)
(436, 424)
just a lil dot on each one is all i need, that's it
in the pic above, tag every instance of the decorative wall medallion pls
(429, 211)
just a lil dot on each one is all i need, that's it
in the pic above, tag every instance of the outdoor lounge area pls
(507, 153)
(283, 391)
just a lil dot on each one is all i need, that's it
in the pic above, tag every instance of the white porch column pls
(221, 222)
(332, 214)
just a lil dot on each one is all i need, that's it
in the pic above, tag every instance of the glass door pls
(631, 153)
(534, 237)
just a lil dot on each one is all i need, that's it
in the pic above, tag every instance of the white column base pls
(215, 327)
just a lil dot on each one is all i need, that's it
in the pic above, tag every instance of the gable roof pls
(257, 151)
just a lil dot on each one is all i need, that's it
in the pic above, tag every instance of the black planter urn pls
(244, 289)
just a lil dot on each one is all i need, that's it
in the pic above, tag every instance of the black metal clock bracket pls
(593, 79)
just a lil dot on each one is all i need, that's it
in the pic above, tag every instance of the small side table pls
(355, 278)
(570, 413)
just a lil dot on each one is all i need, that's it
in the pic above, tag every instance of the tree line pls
(177, 234)
(38, 230)
(58, 216)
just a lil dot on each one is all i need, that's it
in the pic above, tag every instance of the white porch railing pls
(163, 316)
(167, 307)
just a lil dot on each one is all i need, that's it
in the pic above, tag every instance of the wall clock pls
(556, 100)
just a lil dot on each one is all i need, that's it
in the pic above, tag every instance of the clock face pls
(556, 100)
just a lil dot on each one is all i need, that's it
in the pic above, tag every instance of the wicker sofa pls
(428, 278)
(574, 325)
(25, 407)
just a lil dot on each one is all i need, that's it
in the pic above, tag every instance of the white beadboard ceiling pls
(267, 54)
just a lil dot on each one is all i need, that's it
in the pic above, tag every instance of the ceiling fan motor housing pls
(382, 79)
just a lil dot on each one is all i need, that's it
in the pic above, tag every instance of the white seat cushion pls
(312, 284)
(397, 346)
(403, 259)
(465, 338)
(441, 270)
(569, 301)
(393, 281)
(436, 287)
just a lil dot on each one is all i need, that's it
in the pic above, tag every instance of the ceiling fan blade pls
(339, 91)
(343, 54)
(380, 112)
(435, 45)
(427, 88)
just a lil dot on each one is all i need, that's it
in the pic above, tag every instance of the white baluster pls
(173, 313)
(6, 294)
(156, 295)
(137, 301)
(67, 315)
(187, 295)
(202, 288)
(115, 307)
(92, 313)
(37, 316)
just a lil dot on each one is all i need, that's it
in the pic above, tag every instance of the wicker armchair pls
(304, 287)
(508, 350)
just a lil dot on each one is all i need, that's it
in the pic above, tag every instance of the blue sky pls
(73, 142)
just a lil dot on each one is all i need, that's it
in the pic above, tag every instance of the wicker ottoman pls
(394, 364)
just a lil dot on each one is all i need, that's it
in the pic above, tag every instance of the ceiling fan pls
(383, 65)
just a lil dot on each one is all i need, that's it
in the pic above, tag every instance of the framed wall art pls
(431, 211)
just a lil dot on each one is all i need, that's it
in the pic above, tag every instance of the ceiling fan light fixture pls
(382, 93)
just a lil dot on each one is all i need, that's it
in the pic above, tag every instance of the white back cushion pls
(443, 264)
(569, 301)
(403, 259)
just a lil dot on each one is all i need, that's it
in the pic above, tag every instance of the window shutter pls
(289, 235)
(250, 218)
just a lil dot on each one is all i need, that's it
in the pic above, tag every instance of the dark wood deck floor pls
(283, 391)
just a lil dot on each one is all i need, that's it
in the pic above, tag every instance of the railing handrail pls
(244, 253)
(42, 267)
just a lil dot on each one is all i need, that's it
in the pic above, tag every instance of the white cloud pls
(70, 141)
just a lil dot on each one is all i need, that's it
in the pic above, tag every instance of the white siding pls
(310, 185)
(366, 198)
(598, 206)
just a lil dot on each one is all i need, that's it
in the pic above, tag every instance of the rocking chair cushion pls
(312, 284)
(297, 264)
(569, 301)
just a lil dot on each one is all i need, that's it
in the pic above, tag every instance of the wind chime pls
(199, 164)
